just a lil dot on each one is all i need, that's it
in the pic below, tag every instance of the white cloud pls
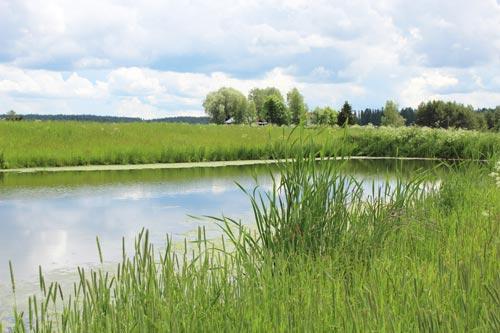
(47, 84)
(134, 81)
(134, 107)
(271, 42)
(424, 86)
(92, 62)
(164, 56)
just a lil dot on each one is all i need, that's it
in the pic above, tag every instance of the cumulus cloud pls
(47, 84)
(426, 86)
(162, 57)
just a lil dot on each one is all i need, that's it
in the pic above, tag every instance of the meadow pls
(41, 144)
(323, 256)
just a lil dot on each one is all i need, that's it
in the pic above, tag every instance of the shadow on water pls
(97, 178)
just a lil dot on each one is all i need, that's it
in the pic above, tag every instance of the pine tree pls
(346, 117)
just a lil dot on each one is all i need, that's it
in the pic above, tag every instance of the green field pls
(39, 144)
(322, 258)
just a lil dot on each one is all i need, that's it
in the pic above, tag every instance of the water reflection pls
(52, 219)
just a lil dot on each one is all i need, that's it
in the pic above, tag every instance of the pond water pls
(52, 219)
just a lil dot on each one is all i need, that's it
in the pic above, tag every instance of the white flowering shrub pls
(496, 173)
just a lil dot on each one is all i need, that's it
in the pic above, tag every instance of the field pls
(39, 144)
(323, 254)
(420, 257)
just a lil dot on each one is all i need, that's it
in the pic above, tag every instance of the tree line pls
(268, 105)
(13, 116)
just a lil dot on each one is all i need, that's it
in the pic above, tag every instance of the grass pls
(323, 257)
(39, 144)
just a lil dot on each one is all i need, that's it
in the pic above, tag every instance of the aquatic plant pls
(320, 259)
(78, 143)
(314, 208)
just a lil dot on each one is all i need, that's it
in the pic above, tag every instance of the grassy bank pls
(323, 256)
(42, 144)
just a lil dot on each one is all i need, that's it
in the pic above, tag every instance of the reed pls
(324, 256)
(40, 144)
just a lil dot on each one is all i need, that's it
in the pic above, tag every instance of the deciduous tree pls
(224, 104)
(259, 97)
(391, 116)
(276, 110)
(296, 106)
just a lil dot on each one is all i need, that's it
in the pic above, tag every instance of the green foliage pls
(86, 143)
(489, 119)
(224, 104)
(276, 111)
(313, 209)
(296, 106)
(346, 116)
(324, 116)
(320, 261)
(409, 114)
(391, 116)
(259, 97)
(370, 116)
(447, 114)
(420, 142)
(13, 116)
(251, 114)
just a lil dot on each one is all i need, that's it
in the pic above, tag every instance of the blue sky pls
(160, 58)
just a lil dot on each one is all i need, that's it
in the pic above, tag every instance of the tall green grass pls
(322, 257)
(313, 208)
(38, 144)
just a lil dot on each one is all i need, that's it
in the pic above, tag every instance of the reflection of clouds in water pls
(59, 231)
(127, 192)
(56, 228)
(57, 244)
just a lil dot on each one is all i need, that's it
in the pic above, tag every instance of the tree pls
(370, 116)
(224, 104)
(391, 116)
(276, 110)
(259, 97)
(447, 114)
(490, 117)
(324, 116)
(428, 114)
(296, 106)
(251, 115)
(13, 116)
(346, 117)
(409, 116)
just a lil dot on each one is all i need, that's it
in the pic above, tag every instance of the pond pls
(52, 219)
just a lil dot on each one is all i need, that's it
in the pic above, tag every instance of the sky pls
(154, 59)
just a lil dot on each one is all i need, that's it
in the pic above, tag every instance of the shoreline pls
(211, 164)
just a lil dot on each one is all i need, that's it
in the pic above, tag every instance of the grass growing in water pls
(321, 259)
(40, 144)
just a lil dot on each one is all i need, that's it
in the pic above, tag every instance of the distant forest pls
(269, 106)
(107, 119)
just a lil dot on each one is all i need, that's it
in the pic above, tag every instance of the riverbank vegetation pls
(324, 255)
(39, 144)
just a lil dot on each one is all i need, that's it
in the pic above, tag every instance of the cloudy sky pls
(160, 58)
